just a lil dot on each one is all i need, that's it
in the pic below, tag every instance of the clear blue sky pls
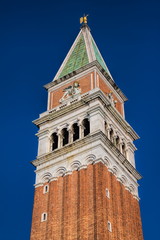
(35, 37)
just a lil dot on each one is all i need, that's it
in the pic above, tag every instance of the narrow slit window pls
(46, 189)
(109, 226)
(107, 193)
(44, 217)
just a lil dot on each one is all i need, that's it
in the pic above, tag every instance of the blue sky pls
(35, 37)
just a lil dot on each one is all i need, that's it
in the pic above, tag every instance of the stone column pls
(114, 140)
(70, 131)
(51, 143)
(120, 146)
(81, 129)
(108, 133)
(60, 139)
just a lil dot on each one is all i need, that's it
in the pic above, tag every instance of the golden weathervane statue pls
(84, 19)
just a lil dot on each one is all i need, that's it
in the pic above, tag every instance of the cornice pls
(99, 135)
(91, 96)
(89, 65)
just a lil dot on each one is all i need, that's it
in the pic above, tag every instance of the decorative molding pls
(82, 167)
(38, 185)
(111, 170)
(53, 179)
(87, 99)
(82, 69)
(62, 172)
(136, 197)
(99, 135)
(69, 172)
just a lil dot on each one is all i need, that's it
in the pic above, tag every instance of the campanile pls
(86, 180)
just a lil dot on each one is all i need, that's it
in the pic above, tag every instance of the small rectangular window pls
(44, 217)
(109, 226)
(107, 193)
(46, 189)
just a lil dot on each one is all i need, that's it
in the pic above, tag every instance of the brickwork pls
(78, 208)
(86, 84)
(104, 87)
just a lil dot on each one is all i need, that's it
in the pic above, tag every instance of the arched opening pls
(86, 126)
(54, 141)
(117, 141)
(75, 131)
(65, 136)
(111, 135)
(105, 127)
(124, 149)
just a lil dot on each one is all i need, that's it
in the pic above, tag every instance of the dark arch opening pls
(54, 141)
(117, 142)
(65, 136)
(105, 125)
(124, 149)
(75, 131)
(111, 135)
(86, 125)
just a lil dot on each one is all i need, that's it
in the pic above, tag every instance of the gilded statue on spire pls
(84, 19)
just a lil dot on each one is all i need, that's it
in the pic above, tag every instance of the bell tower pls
(86, 181)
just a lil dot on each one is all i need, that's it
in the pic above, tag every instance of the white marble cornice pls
(93, 95)
(91, 138)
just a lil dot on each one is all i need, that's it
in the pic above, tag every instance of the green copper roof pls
(83, 51)
(98, 56)
(77, 59)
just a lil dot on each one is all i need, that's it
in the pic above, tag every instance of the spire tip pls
(84, 21)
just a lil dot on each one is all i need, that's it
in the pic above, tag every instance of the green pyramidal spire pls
(83, 51)
(77, 59)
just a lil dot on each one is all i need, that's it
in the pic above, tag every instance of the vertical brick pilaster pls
(83, 221)
(73, 205)
(137, 219)
(99, 206)
(90, 192)
(78, 208)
